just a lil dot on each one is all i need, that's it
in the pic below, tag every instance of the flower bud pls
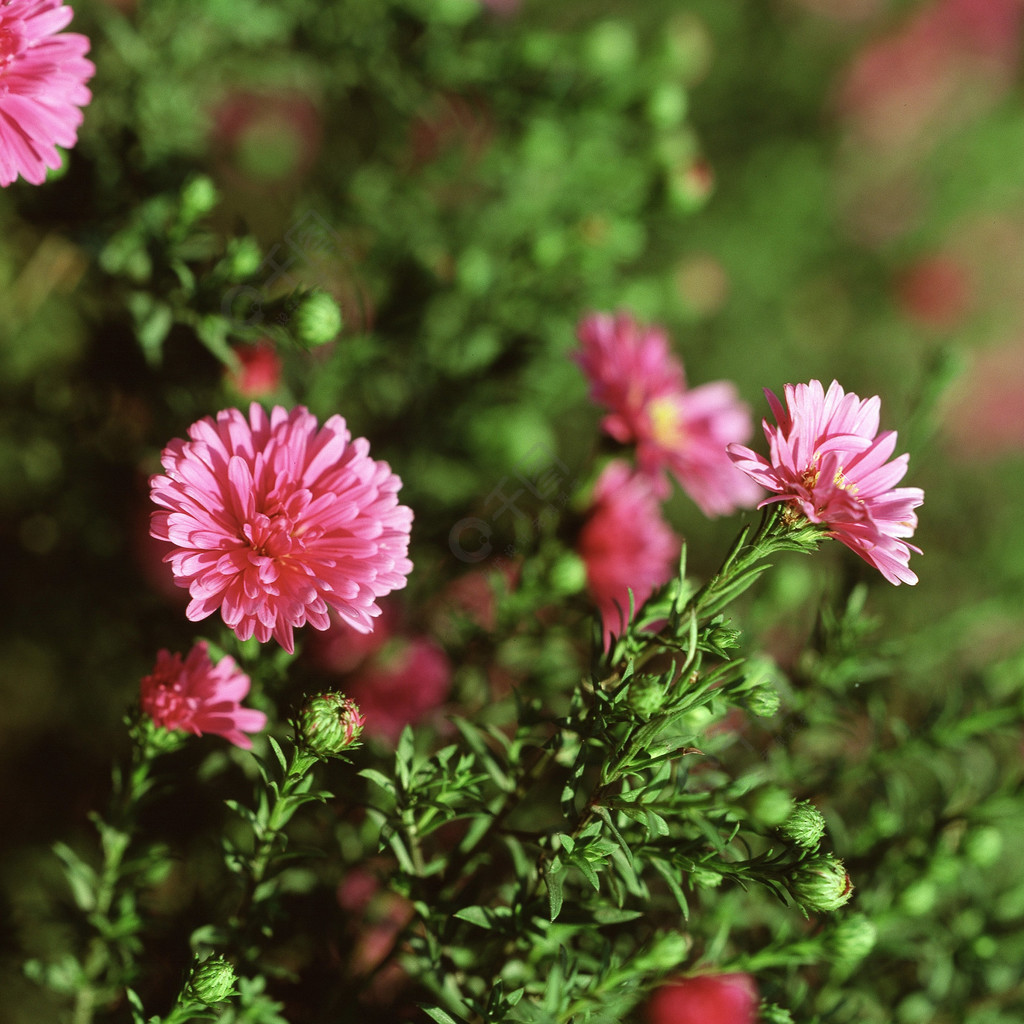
(646, 696)
(329, 723)
(984, 845)
(211, 981)
(198, 198)
(243, 257)
(770, 805)
(822, 884)
(318, 319)
(805, 826)
(762, 701)
(853, 938)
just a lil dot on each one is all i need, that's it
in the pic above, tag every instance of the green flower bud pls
(822, 884)
(770, 805)
(211, 981)
(805, 826)
(243, 258)
(762, 701)
(853, 938)
(568, 574)
(198, 198)
(984, 845)
(329, 723)
(646, 696)
(919, 898)
(318, 319)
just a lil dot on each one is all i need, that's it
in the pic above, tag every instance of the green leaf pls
(436, 1013)
(553, 880)
(81, 878)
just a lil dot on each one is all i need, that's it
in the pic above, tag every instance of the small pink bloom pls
(400, 686)
(826, 461)
(43, 72)
(199, 697)
(259, 370)
(275, 521)
(706, 999)
(625, 545)
(685, 431)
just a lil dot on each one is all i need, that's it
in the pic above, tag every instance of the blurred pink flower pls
(199, 697)
(274, 521)
(259, 370)
(984, 414)
(826, 462)
(625, 545)
(950, 58)
(705, 999)
(341, 649)
(400, 685)
(633, 374)
(42, 86)
(936, 292)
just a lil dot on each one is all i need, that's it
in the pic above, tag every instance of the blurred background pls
(794, 189)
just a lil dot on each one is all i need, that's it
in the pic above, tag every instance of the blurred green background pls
(793, 188)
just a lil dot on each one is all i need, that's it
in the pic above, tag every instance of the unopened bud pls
(318, 319)
(646, 696)
(211, 981)
(984, 845)
(822, 884)
(770, 805)
(805, 826)
(198, 198)
(763, 701)
(329, 723)
(853, 938)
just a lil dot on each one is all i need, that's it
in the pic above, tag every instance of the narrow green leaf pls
(436, 1013)
(553, 881)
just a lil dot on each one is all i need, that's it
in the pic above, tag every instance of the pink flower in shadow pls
(199, 697)
(625, 545)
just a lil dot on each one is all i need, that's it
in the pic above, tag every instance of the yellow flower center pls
(665, 421)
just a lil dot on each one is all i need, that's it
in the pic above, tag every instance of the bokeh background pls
(793, 188)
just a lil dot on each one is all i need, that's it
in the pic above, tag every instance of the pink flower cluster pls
(677, 430)
(275, 521)
(625, 545)
(42, 86)
(199, 697)
(830, 464)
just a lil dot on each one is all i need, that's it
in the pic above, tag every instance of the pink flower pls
(827, 463)
(400, 686)
(259, 370)
(42, 86)
(275, 521)
(706, 999)
(199, 697)
(633, 374)
(625, 545)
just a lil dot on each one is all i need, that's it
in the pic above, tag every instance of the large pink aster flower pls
(633, 374)
(42, 86)
(199, 697)
(625, 545)
(274, 521)
(826, 461)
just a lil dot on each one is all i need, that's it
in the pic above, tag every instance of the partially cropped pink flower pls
(43, 72)
(826, 461)
(275, 521)
(400, 685)
(706, 999)
(199, 697)
(625, 545)
(682, 431)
